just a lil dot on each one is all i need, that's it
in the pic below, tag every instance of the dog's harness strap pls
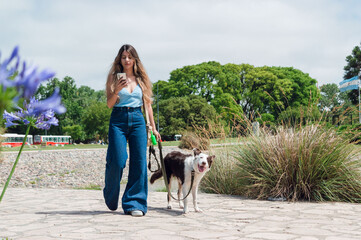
(165, 175)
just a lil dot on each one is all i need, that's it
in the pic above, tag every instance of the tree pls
(165, 89)
(267, 91)
(75, 99)
(352, 69)
(95, 120)
(233, 81)
(303, 88)
(331, 97)
(197, 79)
(227, 107)
(76, 132)
(181, 113)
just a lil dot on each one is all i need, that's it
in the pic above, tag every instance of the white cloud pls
(81, 38)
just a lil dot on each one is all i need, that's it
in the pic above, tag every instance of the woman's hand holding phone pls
(121, 82)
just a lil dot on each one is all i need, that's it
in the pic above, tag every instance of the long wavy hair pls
(139, 72)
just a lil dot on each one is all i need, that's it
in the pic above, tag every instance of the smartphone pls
(120, 75)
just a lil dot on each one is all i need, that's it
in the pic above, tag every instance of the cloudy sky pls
(80, 38)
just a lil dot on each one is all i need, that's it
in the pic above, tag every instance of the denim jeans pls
(127, 124)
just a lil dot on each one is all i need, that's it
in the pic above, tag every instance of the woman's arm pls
(112, 96)
(112, 99)
(151, 120)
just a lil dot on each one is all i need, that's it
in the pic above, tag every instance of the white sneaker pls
(136, 213)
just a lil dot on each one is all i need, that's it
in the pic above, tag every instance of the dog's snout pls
(203, 163)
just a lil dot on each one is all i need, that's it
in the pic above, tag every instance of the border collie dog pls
(181, 165)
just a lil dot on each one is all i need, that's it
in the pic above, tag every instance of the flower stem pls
(15, 163)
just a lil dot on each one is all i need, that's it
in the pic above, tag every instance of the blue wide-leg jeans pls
(127, 124)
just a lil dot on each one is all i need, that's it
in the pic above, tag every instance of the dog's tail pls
(158, 174)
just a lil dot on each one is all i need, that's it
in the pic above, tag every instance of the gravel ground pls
(60, 168)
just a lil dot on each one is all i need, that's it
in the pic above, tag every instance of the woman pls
(126, 95)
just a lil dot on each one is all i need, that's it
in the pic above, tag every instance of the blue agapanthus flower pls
(39, 114)
(29, 80)
(7, 71)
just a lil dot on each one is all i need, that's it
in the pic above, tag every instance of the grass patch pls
(90, 187)
(163, 189)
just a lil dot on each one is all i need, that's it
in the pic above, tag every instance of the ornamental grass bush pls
(309, 163)
(192, 140)
(222, 178)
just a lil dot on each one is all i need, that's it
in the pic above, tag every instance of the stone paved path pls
(81, 214)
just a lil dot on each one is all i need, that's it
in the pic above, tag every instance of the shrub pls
(312, 163)
(222, 178)
(192, 140)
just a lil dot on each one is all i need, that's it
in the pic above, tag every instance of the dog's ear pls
(210, 160)
(196, 151)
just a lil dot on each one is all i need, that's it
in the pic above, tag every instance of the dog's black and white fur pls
(180, 165)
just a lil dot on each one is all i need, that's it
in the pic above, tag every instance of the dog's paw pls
(197, 209)
(185, 211)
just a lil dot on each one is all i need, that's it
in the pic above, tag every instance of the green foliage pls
(197, 79)
(264, 92)
(6, 99)
(233, 81)
(181, 113)
(96, 120)
(312, 163)
(352, 132)
(299, 115)
(256, 89)
(77, 101)
(273, 89)
(90, 187)
(266, 119)
(330, 97)
(75, 131)
(227, 107)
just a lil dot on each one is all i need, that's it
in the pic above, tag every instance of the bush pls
(312, 163)
(222, 178)
(191, 140)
